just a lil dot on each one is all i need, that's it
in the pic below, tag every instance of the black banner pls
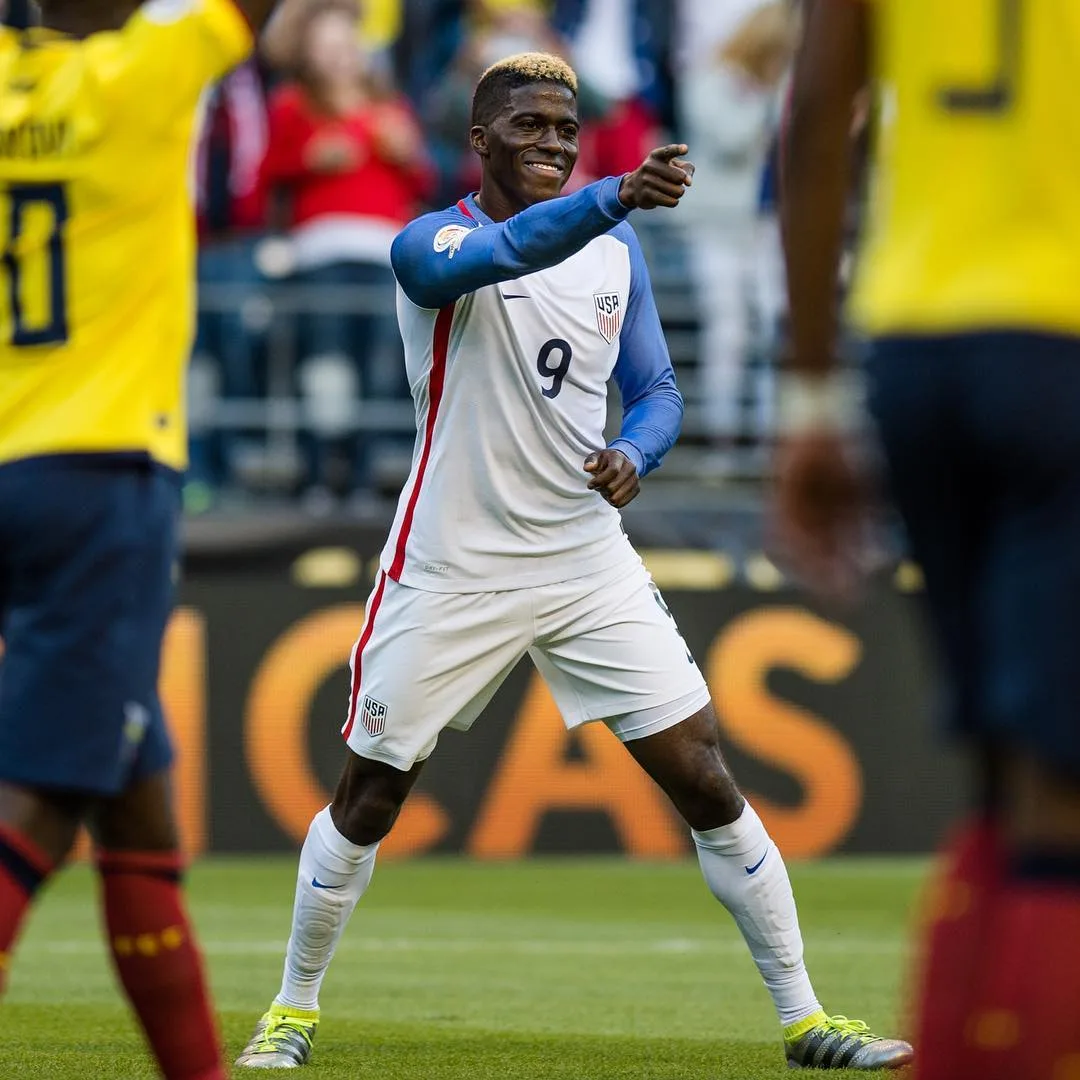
(825, 716)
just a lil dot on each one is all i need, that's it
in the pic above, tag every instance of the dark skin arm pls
(830, 71)
(820, 494)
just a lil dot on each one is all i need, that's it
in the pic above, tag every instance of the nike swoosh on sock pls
(757, 866)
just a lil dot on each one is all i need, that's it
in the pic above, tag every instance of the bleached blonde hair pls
(519, 70)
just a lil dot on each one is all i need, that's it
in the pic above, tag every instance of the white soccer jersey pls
(512, 331)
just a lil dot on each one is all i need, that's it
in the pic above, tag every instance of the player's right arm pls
(831, 69)
(169, 51)
(441, 257)
(819, 493)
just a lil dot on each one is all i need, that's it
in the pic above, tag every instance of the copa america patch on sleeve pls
(373, 716)
(449, 238)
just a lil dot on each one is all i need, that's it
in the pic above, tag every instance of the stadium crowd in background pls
(348, 124)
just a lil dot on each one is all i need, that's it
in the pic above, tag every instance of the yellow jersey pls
(97, 230)
(974, 220)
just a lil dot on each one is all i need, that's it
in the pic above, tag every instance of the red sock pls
(1025, 1019)
(955, 941)
(23, 867)
(159, 963)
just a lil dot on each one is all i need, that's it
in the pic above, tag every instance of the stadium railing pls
(269, 313)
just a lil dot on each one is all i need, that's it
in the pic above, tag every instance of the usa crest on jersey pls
(608, 314)
(373, 716)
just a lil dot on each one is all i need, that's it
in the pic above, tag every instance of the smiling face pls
(528, 149)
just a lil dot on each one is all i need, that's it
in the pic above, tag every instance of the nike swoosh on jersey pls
(515, 296)
(317, 884)
(757, 866)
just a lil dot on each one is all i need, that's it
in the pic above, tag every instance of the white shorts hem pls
(681, 709)
(371, 753)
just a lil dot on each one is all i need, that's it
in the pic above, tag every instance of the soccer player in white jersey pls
(516, 307)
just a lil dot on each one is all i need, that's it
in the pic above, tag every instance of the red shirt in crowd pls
(370, 185)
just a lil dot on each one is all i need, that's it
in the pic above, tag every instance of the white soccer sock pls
(763, 907)
(333, 875)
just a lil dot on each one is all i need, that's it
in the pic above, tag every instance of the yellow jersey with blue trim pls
(974, 220)
(97, 229)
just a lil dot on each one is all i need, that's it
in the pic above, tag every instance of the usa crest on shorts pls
(373, 716)
(608, 314)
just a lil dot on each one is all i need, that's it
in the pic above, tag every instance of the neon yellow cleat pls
(835, 1042)
(282, 1039)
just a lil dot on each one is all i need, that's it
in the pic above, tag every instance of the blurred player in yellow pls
(969, 291)
(97, 246)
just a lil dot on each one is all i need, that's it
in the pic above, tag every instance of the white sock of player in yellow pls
(333, 875)
(744, 870)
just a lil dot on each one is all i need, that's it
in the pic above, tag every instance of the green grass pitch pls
(451, 970)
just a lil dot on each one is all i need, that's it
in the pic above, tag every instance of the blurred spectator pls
(491, 31)
(346, 167)
(434, 32)
(734, 58)
(231, 211)
(374, 26)
(618, 48)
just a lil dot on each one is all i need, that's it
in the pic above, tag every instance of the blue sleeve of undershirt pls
(652, 404)
(441, 257)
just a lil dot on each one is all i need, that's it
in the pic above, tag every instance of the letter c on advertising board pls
(276, 726)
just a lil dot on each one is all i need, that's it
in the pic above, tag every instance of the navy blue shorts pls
(981, 435)
(87, 554)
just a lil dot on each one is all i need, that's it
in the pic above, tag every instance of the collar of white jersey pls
(472, 208)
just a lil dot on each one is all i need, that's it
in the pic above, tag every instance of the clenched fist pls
(614, 475)
(660, 180)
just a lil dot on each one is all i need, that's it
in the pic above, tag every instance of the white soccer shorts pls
(606, 645)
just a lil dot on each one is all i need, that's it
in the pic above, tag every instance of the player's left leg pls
(746, 873)
(611, 650)
(983, 457)
(149, 933)
(424, 661)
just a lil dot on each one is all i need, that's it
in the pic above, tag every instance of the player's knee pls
(369, 812)
(714, 802)
(138, 819)
(709, 796)
(368, 798)
(1040, 802)
(49, 819)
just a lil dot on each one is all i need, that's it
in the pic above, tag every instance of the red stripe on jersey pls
(463, 206)
(436, 380)
(358, 661)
